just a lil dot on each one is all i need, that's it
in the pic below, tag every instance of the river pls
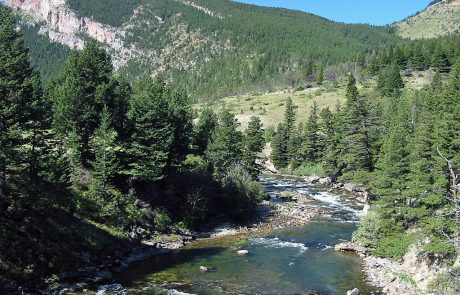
(299, 260)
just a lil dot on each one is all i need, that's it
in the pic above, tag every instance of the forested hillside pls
(223, 45)
(93, 163)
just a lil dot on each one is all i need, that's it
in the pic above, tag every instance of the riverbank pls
(281, 211)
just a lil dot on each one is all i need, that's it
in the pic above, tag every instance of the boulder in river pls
(350, 247)
(355, 291)
(311, 179)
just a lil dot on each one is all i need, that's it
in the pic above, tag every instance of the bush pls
(310, 169)
(241, 193)
(161, 219)
(385, 235)
(394, 246)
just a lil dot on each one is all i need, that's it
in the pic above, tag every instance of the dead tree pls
(454, 187)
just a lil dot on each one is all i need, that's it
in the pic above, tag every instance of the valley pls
(178, 147)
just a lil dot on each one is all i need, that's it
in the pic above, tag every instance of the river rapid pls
(297, 260)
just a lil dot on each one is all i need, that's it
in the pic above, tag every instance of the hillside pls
(438, 19)
(223, 45)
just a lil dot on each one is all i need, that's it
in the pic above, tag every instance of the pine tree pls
(225, 148)
(279, 153)
(105, 165)
(180, 113)
(289, 116)
(24, 192)
(320, 76)
(79, 94)
(333, 128)
(357, 154)
(440, 61)
(204, 129)
(310, 139)
(153, 134)
(254, 143)
(391, 167)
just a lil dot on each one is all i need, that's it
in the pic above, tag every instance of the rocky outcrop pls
(411, 276)
(62, 25)
(351, 247)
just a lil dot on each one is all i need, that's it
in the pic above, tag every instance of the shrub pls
(394, 246)
(161, 219)
(241, 193)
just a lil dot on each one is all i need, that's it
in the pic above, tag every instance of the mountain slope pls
(211, 46)
(440, 18)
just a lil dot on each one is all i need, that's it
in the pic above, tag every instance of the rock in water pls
(348, 246)
(242, 252)
(204, 269)
(355, 291)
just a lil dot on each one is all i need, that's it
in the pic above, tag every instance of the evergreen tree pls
(279, 147)
(320, 76)
(204, 129)
(440, 61)
(333, 128)
(80, 92)
(311, 145)
(24, 190)
(289, 116)
(150, 144)
(181, 121)
(225, 148)
(105, 165)
(254, 143)
(391, 167)
(357, 155)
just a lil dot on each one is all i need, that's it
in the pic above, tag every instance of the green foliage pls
(149, 145)
(254, 143)
(109, 12)
(446, 282)
(161, 219)
(242, 193)
(310, 147)
(306, 169)
(394, 246)
(207, 123)
(225, 148)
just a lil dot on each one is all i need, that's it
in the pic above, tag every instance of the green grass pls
(269, 107)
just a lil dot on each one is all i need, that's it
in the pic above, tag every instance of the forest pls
(91, 151)
(90, 157)
(404, 147)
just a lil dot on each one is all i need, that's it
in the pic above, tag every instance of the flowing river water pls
(295, 260)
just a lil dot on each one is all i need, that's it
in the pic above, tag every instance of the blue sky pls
(376, 12)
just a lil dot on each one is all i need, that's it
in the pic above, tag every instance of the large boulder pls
(312, 179)
(355, 291)
(350, 247)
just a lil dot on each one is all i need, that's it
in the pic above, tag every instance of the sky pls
(375, 12)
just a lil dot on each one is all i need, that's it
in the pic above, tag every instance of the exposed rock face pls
(63, 26)
(351, 247)
(412, 276)
(175, 45)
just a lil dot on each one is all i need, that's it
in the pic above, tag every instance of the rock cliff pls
(62, 25)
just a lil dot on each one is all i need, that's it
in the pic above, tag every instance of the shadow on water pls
(140, 272)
